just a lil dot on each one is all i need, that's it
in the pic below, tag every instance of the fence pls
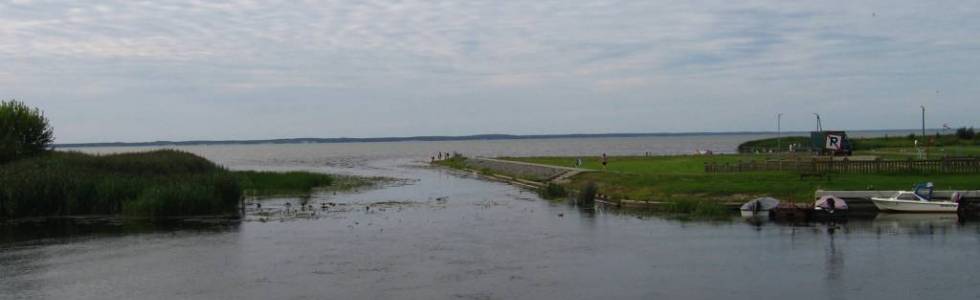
(936, 166)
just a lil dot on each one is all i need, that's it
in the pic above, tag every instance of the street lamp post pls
(779, 132)
(923, 121)
(819, 126)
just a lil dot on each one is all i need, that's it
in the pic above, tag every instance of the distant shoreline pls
(426, 138)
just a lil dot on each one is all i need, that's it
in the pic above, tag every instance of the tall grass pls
(696, 208)
(157, 183)
(266, 183)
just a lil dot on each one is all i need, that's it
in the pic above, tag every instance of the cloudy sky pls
(161, 70)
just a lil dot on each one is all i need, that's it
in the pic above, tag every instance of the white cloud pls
(568, 53)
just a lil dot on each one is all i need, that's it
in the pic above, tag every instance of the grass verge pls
(660, 178)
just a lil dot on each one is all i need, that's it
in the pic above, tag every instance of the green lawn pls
(681, 164)
(931, 152)
(683, 177)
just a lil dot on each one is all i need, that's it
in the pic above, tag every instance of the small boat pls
(758, 207)
(829, 208)
(905, 201)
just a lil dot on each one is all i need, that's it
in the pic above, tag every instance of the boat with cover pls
(829, 208)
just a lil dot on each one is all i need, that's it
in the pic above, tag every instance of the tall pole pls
(779, 132)
(923, 121)
(819, 126)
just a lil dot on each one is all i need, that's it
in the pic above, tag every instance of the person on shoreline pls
(605, 161)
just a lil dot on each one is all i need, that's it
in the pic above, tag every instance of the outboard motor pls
(962, 207)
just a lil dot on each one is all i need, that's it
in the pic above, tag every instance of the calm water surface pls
(442, 234)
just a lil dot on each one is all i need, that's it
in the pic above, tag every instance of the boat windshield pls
(908, 197)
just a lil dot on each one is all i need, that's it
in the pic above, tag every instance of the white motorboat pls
(759, 207)
(905, 201)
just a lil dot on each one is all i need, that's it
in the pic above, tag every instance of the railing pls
(936, 166)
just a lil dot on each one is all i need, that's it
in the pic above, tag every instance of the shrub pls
(586, 195)
(24, 131)
(552, 191)
(965, 133)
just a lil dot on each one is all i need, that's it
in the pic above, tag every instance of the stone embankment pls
(529, 171)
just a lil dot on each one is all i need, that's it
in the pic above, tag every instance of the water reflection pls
(481, 240)
(834, 262)
(344, 245)
(68, 229)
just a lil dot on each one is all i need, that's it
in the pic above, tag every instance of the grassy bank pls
(886, 146)
(676, 178)
(456, 162)
(157, 183)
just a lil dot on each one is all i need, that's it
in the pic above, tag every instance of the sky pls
(182, 70)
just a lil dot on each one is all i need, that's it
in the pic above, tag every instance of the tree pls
(965, 133)
(24, 131)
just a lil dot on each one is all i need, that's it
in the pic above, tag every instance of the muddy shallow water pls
(446, 234)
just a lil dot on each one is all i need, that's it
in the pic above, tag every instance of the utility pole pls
(779, 132)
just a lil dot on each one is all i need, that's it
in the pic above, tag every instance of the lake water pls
(441, 234)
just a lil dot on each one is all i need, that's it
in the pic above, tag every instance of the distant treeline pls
(395, 139)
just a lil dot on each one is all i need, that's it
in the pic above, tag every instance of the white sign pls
(834, 142)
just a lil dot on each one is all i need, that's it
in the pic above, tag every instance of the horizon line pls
(486, 136)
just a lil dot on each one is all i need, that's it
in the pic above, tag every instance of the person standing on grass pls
(605, 161)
